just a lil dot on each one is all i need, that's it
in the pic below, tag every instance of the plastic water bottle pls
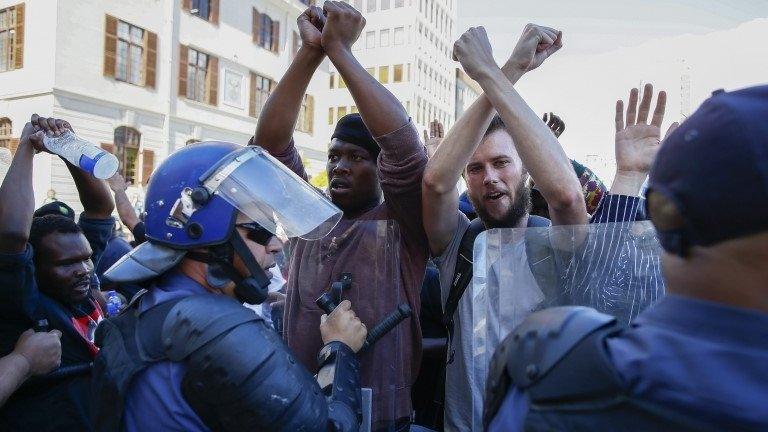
(81, 153)
(113, 303)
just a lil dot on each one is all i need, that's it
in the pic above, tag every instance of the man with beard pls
(46, 268)
(495, 155)
(375, 164)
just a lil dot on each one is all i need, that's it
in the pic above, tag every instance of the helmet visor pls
(270, 194)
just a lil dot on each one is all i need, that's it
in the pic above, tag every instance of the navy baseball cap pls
(352, 129)
(55, 208)
(714, 169)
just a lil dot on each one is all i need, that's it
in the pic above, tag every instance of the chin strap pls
(252, 289)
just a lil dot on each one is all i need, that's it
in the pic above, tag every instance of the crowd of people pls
(376, 304)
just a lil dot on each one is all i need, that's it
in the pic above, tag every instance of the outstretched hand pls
(435, 136)
(637, 141)
(535, 45)
(311, 24)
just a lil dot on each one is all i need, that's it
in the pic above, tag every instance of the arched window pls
(6, 128)
(127, 141)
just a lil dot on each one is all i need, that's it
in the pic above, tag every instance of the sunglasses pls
(256, 232)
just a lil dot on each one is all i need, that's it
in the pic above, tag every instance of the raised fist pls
(473, 51)
(535, 45)
(311, 24)
(343, 25)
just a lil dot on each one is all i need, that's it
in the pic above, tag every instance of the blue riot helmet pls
(192, 203)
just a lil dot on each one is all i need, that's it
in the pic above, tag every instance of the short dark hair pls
(52, 223)
(496, 124)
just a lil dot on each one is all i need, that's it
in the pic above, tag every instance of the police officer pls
(183, 356)
(696, 359)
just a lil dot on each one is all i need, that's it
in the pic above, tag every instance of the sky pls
(610, 46)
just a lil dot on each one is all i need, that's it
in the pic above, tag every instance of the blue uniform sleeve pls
(19, 297)
(619, 208)
(511, 415)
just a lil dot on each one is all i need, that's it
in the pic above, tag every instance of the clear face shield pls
(270, 194)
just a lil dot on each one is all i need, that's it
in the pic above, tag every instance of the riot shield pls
(611, 267)
(358, 261)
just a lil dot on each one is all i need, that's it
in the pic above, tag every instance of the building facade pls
(406, 45)
(467, 91)
(147, 77)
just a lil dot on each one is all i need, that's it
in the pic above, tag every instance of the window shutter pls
(276, 36)
(110, 46)
(13, 145)
(186, 5)
(109, 147)
(212, 76)
(256, 26)
(150, 61)
(18, 39)
(183, 52)
(214, 12)
(147, 165)
(310, 114)
(252, 97)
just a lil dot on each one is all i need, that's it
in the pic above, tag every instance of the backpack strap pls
(462, 275)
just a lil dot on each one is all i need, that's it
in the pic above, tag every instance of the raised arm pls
(440, 199)
(538, 148)
(125, 210)
(17, 199)
(637, 141)
(278, 117)
(380, 109)
(95, 195)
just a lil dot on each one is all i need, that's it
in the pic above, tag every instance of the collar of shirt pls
(705, 319)
(171, 285)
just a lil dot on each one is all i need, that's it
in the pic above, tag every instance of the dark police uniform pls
(685, 364)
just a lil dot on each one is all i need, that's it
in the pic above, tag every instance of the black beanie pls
(351, 129)
(55, 208)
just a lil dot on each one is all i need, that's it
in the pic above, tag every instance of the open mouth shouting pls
(339, 185)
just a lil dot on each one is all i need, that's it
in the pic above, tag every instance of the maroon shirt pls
(386, 251)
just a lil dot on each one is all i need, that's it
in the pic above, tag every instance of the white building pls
(146, 77)
(467, 91)
(406, 45)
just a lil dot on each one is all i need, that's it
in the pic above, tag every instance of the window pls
(353, 109)
(261, 87)
(6, 140)
(330, 115)
(397, 74)
(130, 53)
(266, 31)
(306, 115)
(399, 3)
(372, 71)
(332, 80)
(384, 74)
(384, 4)
(384, 38)
(342, 111)
(197, 68)
(371, 6)
(342, 83)
(126, 146)
(370, 40)
(201, 8)
(12, 38)
(399, 35)
(205, 9)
